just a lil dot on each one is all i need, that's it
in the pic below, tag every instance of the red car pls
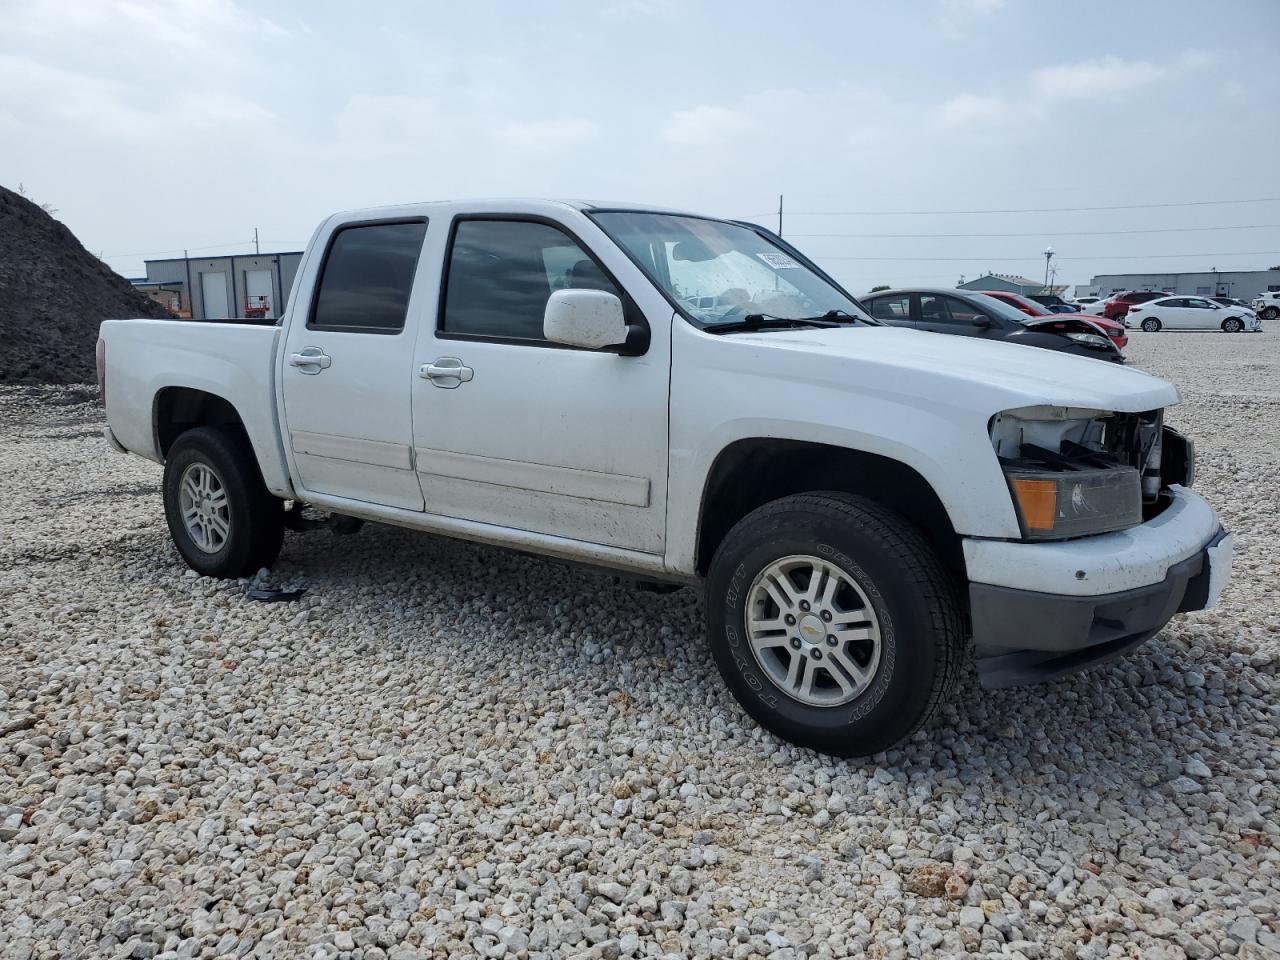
(1118, 306)
(1115, 331)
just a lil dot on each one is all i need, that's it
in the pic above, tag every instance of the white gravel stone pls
(448, 750)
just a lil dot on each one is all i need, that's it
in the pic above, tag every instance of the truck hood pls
(984, 375)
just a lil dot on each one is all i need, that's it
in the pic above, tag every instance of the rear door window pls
(895, 309)
(367, 278)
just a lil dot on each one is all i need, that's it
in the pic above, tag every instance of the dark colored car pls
(1118, 306)
(968, 314)
(1031, 308)
(1053, 303)
(1231, 302)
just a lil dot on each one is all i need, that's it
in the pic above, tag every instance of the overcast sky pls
(154, 126)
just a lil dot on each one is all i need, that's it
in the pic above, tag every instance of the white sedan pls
(1191, 313)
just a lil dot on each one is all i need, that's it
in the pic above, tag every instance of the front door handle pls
(447, 373)
(310, 360)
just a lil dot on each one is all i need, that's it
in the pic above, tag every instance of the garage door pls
(213, 288)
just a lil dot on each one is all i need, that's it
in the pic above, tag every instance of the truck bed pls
(232, 360)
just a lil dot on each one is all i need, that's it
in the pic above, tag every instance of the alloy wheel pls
(206, 512)
(813, 631)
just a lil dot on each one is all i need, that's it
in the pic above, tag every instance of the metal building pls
(1241, 284)
(1009, 283)
(241, 286)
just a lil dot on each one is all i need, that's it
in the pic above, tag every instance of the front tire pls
(833, 623)
(1232, 325)
(223, 520)
(1151, 325)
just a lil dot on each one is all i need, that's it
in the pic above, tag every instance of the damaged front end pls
(1077, 472)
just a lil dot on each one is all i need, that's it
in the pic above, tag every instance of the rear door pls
(513, 430)
(347, 367)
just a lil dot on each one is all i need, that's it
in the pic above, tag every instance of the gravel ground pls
(447, 750)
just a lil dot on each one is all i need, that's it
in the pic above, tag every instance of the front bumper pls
(1036, 618)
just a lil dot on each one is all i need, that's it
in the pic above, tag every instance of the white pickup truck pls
(688, 400)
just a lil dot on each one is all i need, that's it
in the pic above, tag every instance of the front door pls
(348, 366)
(511, 429)
(1198, 314)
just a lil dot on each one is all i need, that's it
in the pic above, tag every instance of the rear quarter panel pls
(232, 361)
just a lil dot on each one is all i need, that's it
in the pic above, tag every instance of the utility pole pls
(191, 304)
(256, 251)
(779, 214)
(1048, 255)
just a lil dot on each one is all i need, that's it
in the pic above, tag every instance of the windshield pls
(720, 272)
(997, 306)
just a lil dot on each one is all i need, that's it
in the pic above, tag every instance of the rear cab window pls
(367, 277)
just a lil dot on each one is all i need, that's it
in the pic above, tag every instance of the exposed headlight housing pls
(1054, 505)
(1078, 472)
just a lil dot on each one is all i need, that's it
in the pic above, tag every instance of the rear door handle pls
(447, 373)
(310, 360)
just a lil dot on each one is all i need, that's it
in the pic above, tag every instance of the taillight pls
(100, 354)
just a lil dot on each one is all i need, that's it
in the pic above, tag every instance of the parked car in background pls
(1053, 303)
(1267, 305)
(1118, 306)
(1232, 302)
(967, 314)
(1193, 313)
(1088, 302)
(1028, 306)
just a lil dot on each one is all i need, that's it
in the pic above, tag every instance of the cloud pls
(548, 136)
(699, 126)
(1105, 79)
(633, 9)
(957, 17)
(969, 109)
(191, 26)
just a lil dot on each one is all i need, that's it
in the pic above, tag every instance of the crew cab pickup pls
(688, 400)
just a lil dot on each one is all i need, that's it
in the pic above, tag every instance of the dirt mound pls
(53, 295)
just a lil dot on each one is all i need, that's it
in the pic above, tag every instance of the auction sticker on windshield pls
(779, 261)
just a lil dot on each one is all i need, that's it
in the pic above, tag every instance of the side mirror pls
(585, 318)
(981, 321)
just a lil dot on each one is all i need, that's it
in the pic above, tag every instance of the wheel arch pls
(175, 410)
(750, 472)
(178, 408)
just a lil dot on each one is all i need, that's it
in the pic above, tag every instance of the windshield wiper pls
(767, 321)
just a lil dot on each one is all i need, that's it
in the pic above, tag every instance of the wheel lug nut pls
(816, 654)
(790, 620)
(804, 605)
(795, 643)
(831, 640)
(826, 615)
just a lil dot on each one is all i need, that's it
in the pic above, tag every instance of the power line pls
(988, 257)
(209, 246)
(1077, 233)
(921, 213)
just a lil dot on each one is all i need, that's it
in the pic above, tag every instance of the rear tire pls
(223, 520)
(1151, 325)
(1232, 325)
(900, 634)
